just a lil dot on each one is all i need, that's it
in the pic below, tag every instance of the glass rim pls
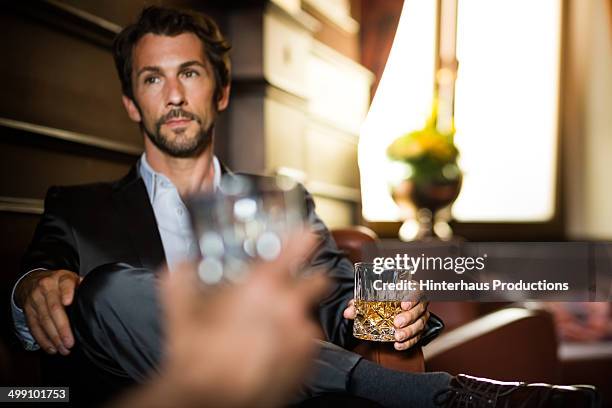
(372, 264)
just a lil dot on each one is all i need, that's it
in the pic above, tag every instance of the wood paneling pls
(331, 156)
(54, 79)
(284, 136)
(33, 164)
(336, 213)
(286, 48)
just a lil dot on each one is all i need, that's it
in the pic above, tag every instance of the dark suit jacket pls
(87, 226)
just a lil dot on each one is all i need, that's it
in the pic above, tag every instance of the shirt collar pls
(151, 177)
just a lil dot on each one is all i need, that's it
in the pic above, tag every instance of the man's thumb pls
(67, 287)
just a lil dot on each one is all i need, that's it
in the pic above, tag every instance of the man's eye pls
(151, 80)
(190, 74)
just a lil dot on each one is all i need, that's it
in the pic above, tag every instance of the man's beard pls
(180, 146)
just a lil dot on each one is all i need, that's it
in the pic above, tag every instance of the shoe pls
(466, 391)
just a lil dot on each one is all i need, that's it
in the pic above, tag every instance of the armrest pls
(509, 344)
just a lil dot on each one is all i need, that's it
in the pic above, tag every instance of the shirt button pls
(179, 211)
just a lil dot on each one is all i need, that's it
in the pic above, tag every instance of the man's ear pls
(224, 99)
(131, 108)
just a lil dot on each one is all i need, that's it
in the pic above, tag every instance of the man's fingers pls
(410, 304)
(38, 303)
(410, 335)
(410, 316)
(178, 289)
(46, 292)
(67, 284)
(47, 324)
(407, 344)
(60, 320)
(41, 338)
(47, 333)
(311, 288)
(171, 291)
(415, 329)
(350, 312)
(297, 246)
(37, 332)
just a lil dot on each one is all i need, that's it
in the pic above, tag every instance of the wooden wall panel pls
(55, 79)
(331, 157)
(284, 136)
(124, 12)
(335, 213)
(32, 165)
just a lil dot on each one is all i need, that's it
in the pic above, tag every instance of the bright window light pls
(506, 109)
(402, 103)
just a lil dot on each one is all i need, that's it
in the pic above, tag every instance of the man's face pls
(173, 86)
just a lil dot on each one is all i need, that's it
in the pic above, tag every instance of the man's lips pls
(177, 122)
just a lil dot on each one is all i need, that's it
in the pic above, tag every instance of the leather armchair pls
(508, 344)
(352, 241)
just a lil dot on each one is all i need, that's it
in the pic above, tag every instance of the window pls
(506, 107)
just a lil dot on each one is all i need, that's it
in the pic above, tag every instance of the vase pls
(425, 199)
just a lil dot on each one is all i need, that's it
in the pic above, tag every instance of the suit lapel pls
(133, 206)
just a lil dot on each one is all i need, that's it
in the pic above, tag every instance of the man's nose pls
(175, 93)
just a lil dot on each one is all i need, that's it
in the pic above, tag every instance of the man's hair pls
(172, 22)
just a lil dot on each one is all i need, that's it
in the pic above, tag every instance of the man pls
(175, 105)
(106, 239)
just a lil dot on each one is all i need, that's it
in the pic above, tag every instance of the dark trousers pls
(118, 333)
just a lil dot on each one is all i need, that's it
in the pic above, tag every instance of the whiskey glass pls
(378, 297)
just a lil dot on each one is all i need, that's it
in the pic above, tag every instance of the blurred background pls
(320, 89)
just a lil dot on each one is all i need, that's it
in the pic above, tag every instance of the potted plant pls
(427, 178)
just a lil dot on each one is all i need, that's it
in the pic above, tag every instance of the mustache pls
(178, 113)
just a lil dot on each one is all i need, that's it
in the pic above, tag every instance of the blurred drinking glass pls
(246, 219)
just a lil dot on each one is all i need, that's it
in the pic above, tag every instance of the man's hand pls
(247, 344)
(43, 296)
(409, 324)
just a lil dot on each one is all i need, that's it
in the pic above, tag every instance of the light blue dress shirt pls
(173, 223)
